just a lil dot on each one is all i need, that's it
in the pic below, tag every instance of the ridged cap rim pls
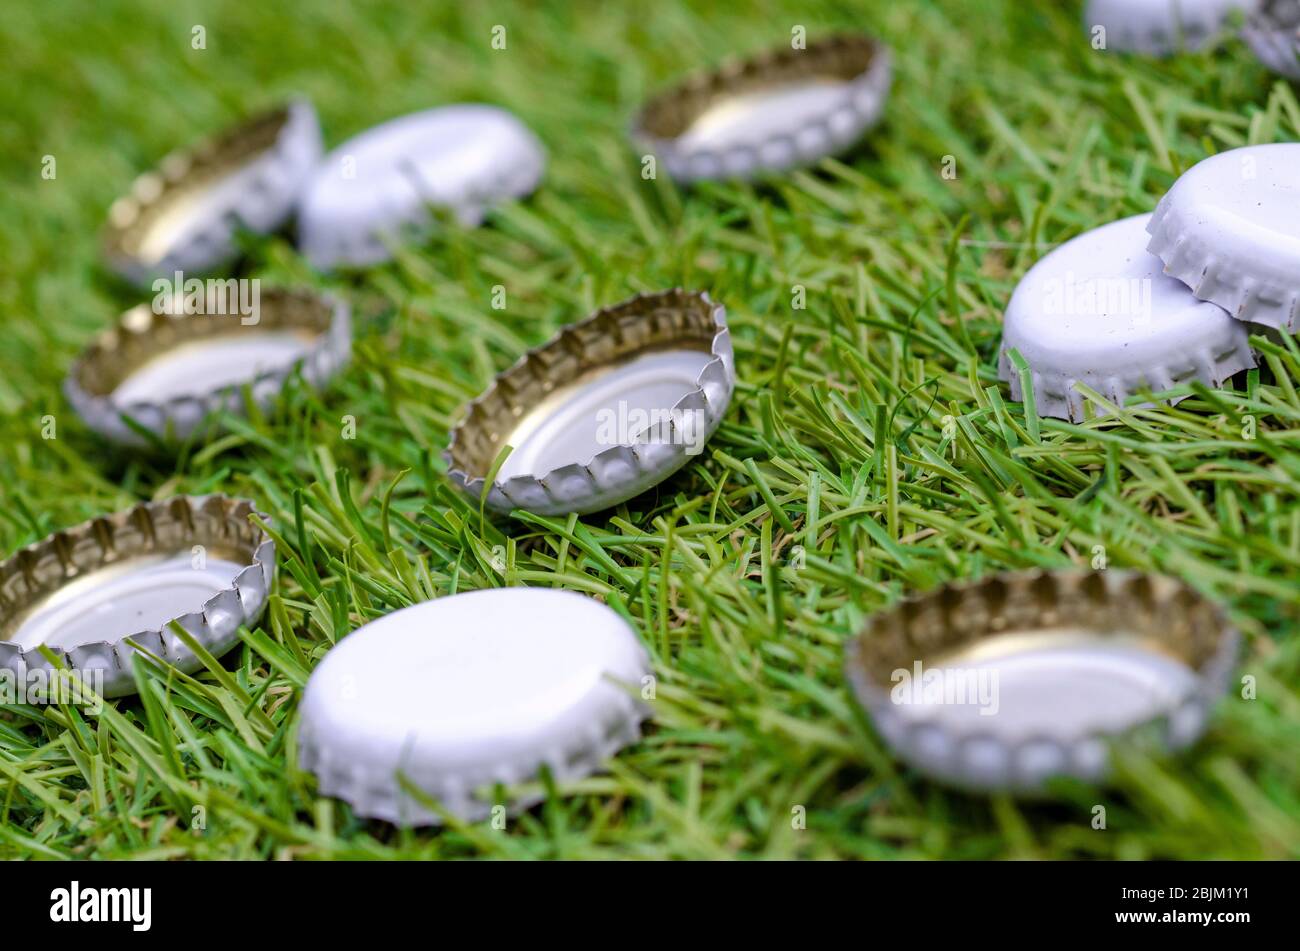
(861, 61)
(606, 338)
(141, 334)
(36, 571)
(273, 152)
(1174, 620)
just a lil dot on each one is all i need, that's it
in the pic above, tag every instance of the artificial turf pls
(869, 450)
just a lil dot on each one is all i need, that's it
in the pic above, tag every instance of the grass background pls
(835, 442)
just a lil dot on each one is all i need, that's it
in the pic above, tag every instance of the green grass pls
(836, 440)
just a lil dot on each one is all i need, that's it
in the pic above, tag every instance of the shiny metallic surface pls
(118, 581)
(183, 215)
(780, 110)
(665, 356)
(169, 373)
(1078, 660)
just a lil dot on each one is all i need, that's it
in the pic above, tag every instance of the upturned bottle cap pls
(183, 215)
(779, 110)
(1006, 683)
(610, 407)
(98, 593)
(166, 371)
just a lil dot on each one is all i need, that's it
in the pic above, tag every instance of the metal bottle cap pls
(169, 372)
(1007, 682)
(380, 184)
(96, 592)
(455, 695)
(1229, 229)
(1099, 310)
(1274, 36)
(779, 110)
(183, 215)
(1162, 27)
(608, 408)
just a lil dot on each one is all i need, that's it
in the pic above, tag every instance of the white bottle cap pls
(1229, 229)
(1099, 310)
(375, 187)
(456, 695)
(1162, 27)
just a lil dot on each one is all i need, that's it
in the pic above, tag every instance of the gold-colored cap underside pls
(1009, 613)
(30, 577)
(141, 335)
(165, 194)
(609, 339)
(838, 58)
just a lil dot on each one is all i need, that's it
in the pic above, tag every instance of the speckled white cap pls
(1229, 229)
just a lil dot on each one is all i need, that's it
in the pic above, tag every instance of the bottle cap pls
(1162, 27)
(782, 109)
(1005, 683)
(1229, 229)
(1099, 310)
(169, 371)
(608, 408)
(1274, 36)
(453, 696)
(375, 187)
(96, 592)
(183, 215)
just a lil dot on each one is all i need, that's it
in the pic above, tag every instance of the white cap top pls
(463, 692)
(1099, 310)
(1161, 27)
(1229, 228)
(380, 183)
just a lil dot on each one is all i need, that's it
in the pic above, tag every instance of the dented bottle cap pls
(1163, 27)
(1229, 229)
(1099, 310)
(783, 109)
(183, 215)
(95, 593)
(374, 188)
(169, 371)
(608, 408)
(453, 696)
(1006, 683)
